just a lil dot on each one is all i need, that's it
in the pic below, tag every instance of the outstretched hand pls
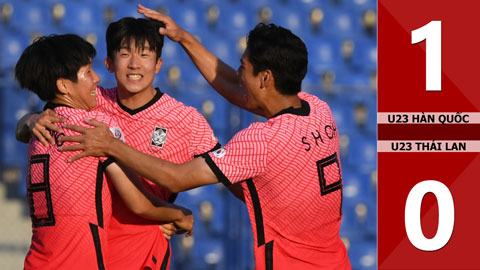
(171, 29)
(93, 141)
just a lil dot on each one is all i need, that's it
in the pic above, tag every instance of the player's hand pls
(40, 124)
(171, 30)
(168, 230)
(93, 142)
(185, 225)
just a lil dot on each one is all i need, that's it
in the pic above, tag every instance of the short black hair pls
(140, 30)
(50, 58)
(275, 48)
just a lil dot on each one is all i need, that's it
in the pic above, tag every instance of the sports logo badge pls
(219, 153)
(159, 136)
(117, 133)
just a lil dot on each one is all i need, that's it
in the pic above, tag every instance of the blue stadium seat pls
(82, 16)
(340, 23)
(172, 53)
(29, 17)
(208, 207)
(291, 19)
(363, 108)
(14, 153)
(223, 46)
(125, 9)
(323, 54)
(361, 4)
(13, 161)
(365, 54)
(12, 46)
(363, 255)
(341, 115)
(17, 102)
(356, 186)
(189, 17)
(362, 153)
(235, 19)
(207, 253)
(311, 83)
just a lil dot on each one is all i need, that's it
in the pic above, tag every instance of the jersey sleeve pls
(202, 138)
(243, 157)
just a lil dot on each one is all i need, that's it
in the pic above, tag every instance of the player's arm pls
(39, 125)
(143, 204)
(99, 141)
(219, 75)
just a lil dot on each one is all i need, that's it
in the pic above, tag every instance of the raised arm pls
(143, 204)
(39, 125)
(219, 75)
(99, 141)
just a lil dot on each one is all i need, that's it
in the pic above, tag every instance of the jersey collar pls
(51, 105)
(157, 96)
(302, 111)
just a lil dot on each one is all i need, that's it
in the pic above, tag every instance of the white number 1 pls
(432, 33)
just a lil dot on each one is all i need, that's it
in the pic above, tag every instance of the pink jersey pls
(70, 203)
(291, 175)
(164, 128)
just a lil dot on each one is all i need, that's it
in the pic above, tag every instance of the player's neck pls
(69, 102)
(135, 100)
(280, 102)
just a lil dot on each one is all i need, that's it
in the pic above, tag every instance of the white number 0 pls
(432, 33)
(446, 215)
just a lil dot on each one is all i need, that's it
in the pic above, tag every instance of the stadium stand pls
(341, 39)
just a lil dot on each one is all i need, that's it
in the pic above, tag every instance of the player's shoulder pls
(106, 96)
(177, 109)
(317, 105)
(78, 117)
(256, 130)
(107, 91)
(312, 99)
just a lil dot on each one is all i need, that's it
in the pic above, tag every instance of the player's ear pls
(266, 78)
(109, 64)
(63, 85)
(158, 65)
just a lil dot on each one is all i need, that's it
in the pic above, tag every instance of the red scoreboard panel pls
(428, 134)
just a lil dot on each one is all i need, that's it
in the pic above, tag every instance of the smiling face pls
(134, 67)
(82, 94)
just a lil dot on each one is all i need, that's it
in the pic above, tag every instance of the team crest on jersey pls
(117, 133)
(219, 153)
(159, 136)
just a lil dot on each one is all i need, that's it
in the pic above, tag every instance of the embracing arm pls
(175, 177)
(99, 141)
(143, 204)
(219, 75)
(39, 125)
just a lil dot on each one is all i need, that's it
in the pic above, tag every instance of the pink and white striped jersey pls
(164, 128)
(290, 172)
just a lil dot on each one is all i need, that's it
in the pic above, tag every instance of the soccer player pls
(152, 122)
(289, 166)
(70, 204)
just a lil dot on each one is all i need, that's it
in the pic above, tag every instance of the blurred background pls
(341, 39)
